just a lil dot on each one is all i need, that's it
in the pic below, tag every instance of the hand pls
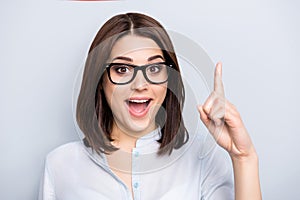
(224, 122)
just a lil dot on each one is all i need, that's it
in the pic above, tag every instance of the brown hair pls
(93, 113)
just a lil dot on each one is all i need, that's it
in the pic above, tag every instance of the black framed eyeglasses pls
(121, 73)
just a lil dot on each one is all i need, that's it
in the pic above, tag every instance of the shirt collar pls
(144, 145)
(149, 138)
(148, 141)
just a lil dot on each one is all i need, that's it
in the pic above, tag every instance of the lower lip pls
(139, 114)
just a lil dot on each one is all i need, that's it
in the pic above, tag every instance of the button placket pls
(135, 176)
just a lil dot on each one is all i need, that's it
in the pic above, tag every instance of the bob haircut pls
(93, 114)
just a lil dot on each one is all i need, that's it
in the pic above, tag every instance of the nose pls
(139, 82)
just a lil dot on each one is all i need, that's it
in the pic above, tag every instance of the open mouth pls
(138, 107)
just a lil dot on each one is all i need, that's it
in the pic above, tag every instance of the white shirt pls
(198, 170)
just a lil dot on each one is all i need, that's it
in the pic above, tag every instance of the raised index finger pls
(218, 84)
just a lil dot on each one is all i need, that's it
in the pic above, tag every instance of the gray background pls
(43, 45)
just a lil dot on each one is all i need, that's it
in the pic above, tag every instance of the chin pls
(142, 126)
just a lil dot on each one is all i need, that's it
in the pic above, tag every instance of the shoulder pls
(66, 152)
(66, 148)
(203, 149)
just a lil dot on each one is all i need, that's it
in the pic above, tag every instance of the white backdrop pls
(43, 44)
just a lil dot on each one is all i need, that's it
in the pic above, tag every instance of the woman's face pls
(135, 105)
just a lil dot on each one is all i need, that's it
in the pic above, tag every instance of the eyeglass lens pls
(124, 73)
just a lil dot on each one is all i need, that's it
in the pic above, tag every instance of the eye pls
(121, 69)
(155, 68)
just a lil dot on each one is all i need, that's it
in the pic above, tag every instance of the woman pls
(136, 145)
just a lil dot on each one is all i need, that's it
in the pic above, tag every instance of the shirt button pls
(136, 153)
(136, 185)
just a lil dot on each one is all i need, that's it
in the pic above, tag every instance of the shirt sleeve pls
(46, 191)
(217, 176)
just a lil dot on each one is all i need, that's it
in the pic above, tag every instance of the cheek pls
(160, 92)
(114, 94)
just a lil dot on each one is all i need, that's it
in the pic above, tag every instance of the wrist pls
(250, 157)
(246, 177)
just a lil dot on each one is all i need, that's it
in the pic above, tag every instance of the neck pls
(124, 140)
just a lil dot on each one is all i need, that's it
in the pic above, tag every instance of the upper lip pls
(139, 99)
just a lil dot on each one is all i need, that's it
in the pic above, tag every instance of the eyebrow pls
(122, 58)
(130, 59)
(155, 57)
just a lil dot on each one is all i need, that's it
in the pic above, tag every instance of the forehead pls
(134, 45)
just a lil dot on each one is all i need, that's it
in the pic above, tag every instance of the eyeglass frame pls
(136, 68)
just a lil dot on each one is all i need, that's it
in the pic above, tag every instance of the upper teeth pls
(138, 101)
